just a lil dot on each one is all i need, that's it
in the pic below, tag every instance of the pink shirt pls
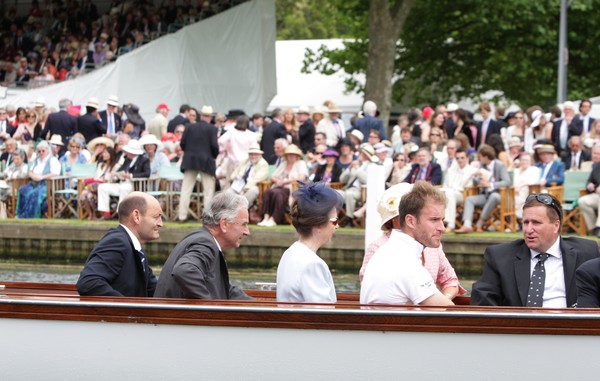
(435, 262)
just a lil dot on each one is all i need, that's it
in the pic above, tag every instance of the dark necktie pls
(247, 173)
(535, 297)
(143, 261)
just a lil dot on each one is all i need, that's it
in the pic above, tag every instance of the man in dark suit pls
(135, 166)
(181, 118)
(61, 123)
(490, 178)
(6, 129)
(564, 128)
(272, 132)
(511, 268)
(424, 169)
(587, 278)
(200, 149)
(488, 127)
(117, 265)
(89, 124)
(306, 131)
(575, 155)
(589, 203)
(111, 121)
(583, 120)
(196, 268)
(370, 122)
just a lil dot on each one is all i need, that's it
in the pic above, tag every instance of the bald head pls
(142, 215)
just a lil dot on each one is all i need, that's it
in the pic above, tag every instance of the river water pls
(246, 279)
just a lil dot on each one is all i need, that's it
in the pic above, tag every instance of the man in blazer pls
(587, 278)
(552, 171)
(273, 131)
(111, 121)
(564, 128)
(200, 149)
(249, 173)
(488, 127)
(424, 169)
(575, 155)
(589, 204)
(117, 265)
(196, 268)
(181, 118)
(509, 267)
(89, 124)
(583, 120)
(490, 178)
(135, 165)
(61, 123)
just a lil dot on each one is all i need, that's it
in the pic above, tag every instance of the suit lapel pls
(569, 258)
(522, 266)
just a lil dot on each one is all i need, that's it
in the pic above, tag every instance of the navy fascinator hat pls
(317, 199)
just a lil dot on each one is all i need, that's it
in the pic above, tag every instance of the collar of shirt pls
(554, 251)
(136, 243)
(218, 246)
(413, 245)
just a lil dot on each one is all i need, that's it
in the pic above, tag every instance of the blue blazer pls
(114, 268)
(556, 174)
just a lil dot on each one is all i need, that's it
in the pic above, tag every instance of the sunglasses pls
(31, 116)
(435, 135)
(547, 200)
(334, 221)
(318, 153)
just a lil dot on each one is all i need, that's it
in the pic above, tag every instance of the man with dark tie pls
(117, 265)
(539, 270)
(249, 173)
(6, 129)
(490, 178)
(575, 155)
(196, 268)
(424, 169)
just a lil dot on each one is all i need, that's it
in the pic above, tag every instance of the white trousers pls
(106, 190)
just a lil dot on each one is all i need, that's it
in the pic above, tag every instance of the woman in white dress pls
(302, 276)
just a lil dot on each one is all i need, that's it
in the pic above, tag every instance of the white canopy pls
(226, 61)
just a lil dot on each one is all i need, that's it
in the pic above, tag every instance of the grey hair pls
(370, 108)
(283, 141)
(64, 103)
(223, 205)
(20, 152)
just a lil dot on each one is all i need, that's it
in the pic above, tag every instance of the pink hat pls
(427, 111)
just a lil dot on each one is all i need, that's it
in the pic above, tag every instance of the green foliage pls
(455, 49)
(311, 19)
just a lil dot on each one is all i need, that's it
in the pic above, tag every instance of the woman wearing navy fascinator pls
(302, 276)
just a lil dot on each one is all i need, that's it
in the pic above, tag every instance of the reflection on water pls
(245, 279)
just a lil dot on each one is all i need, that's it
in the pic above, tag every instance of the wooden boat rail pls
(61, 302)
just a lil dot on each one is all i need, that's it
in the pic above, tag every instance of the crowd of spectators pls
(58, 40)
(446, 146)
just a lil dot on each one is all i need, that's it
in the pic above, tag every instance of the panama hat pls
(100, 140)
(134, 147)
(390, 202)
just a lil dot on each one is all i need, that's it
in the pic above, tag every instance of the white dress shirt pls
(555, 294)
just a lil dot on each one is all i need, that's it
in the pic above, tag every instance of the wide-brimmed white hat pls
(207, 110)
(390, 202)
(113, 100)
(92, 102)
(134, 147)
(100, 140)
(151, 139)
(255, 149)
(536, 115)
(56, 139)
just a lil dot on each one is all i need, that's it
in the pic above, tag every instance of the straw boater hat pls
(56, 140)
(92, 102)
(333, 108)
(255, 149)
(100, 140)
(303, 110)
(151, 139)
(207, 110)
(368, 150)
(546, 148)
(293, 149)
(515, 141)
(390, 201)
(358, 135)
(134, 147)
(320, 109)
(113, 100)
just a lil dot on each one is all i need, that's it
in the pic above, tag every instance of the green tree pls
(452, 49)
(309, 19)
